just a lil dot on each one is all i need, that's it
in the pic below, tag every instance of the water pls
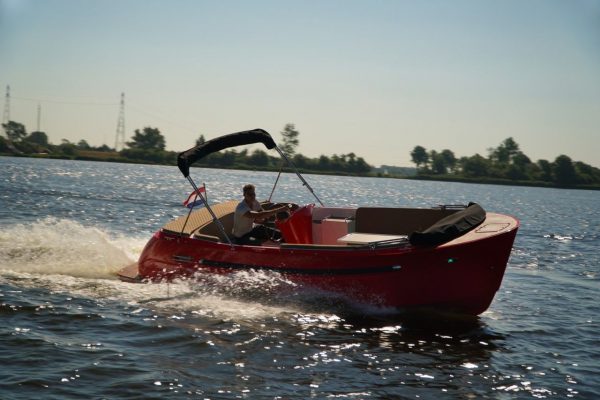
(70, 329)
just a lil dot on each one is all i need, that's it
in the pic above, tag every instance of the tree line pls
(505, 163)
(148, 145)
(340, 164)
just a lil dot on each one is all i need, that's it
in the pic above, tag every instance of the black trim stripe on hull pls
(300, 271)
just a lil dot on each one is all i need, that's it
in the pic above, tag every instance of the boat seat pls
(397, 221)
(212, 229)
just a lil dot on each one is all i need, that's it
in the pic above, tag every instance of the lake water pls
(70, 329)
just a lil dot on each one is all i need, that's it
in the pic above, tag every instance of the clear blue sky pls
(371, 77)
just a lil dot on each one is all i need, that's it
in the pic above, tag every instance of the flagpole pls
(187, 218)
(195, 193)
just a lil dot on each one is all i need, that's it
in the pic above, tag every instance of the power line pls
(156, 116)
(83, 103)
(120, 131)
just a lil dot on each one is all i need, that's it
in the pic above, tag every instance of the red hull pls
(462, 275)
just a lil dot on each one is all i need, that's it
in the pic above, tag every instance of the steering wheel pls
(284, 215)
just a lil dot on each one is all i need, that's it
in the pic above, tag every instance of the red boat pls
(448, 257)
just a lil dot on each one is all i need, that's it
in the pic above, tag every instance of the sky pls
(372, 77)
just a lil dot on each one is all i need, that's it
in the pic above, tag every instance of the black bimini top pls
(187, 158)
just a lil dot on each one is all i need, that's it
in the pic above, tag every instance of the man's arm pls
(264, 214)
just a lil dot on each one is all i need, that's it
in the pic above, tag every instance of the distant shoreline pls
(439, 178)
(501, 182)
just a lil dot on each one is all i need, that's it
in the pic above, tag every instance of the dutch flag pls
(194, 199)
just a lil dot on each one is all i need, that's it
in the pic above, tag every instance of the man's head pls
(249, 191)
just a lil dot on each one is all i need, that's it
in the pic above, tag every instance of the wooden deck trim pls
(494, 224)
(201, 218)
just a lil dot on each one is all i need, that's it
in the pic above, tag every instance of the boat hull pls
(454, 257)
(462, 275)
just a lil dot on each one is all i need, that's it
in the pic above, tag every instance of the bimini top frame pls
(187, 158)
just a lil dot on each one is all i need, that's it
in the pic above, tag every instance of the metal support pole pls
(282, 154)
(276, 180)
(215, 219)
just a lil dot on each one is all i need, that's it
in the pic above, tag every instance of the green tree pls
(38, 137)
(545, 170)
(148, 155)
(475, 166)
(225, 158)
(533, 172)
(259, 158)
(200, 140)
(515, 173)
(586, 173)
(83, 145)
(103, 148)
(449, 159)
(336, 163)
(68, 148)
(147, 139)
(323, 164)
(518, 169)
(351, 161)
(290, 140)
(361, 166)
(300, 161)
(520, 159)
(438, 163)
(564, 171)
(15, 131)
(419, 156)
(504, 153)
(242, 157)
